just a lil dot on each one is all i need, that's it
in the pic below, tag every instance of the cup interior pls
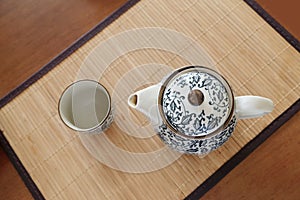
(84, 105)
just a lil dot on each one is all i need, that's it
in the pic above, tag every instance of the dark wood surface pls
(272, 171)
(33, 32)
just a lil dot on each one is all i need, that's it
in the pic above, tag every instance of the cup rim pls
(73, 127)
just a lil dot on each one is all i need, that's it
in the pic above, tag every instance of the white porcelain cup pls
(85, 106)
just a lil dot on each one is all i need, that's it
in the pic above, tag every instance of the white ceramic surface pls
(193, 109)
(85, 106)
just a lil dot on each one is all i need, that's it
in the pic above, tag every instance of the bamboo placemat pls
(137, 49)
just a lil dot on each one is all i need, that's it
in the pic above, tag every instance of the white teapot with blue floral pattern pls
(194, 110)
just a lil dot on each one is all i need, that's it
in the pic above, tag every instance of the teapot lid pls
(196, 101)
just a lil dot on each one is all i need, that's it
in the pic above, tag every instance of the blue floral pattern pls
(196, 120)
(107, 122)
(196, 146)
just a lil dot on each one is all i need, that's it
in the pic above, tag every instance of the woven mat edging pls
(67, 52)
(274, 24)
(268, 131)
(244, 152)
(221, 172)
(35, 192)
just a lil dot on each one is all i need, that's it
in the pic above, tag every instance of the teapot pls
(193, 109)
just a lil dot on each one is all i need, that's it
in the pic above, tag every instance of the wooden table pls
(33, 33)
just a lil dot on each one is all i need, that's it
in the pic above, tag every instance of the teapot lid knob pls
(195, 97)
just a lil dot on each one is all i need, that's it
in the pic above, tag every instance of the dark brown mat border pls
(221, 172)
(67, 52)
(35, 192)
(268, 131)
(272, 22)
(244, 152)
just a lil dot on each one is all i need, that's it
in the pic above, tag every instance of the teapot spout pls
(146, 101)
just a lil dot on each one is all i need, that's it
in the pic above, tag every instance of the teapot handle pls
(252, 106)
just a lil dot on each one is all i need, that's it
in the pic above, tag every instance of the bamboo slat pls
(136, 50)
